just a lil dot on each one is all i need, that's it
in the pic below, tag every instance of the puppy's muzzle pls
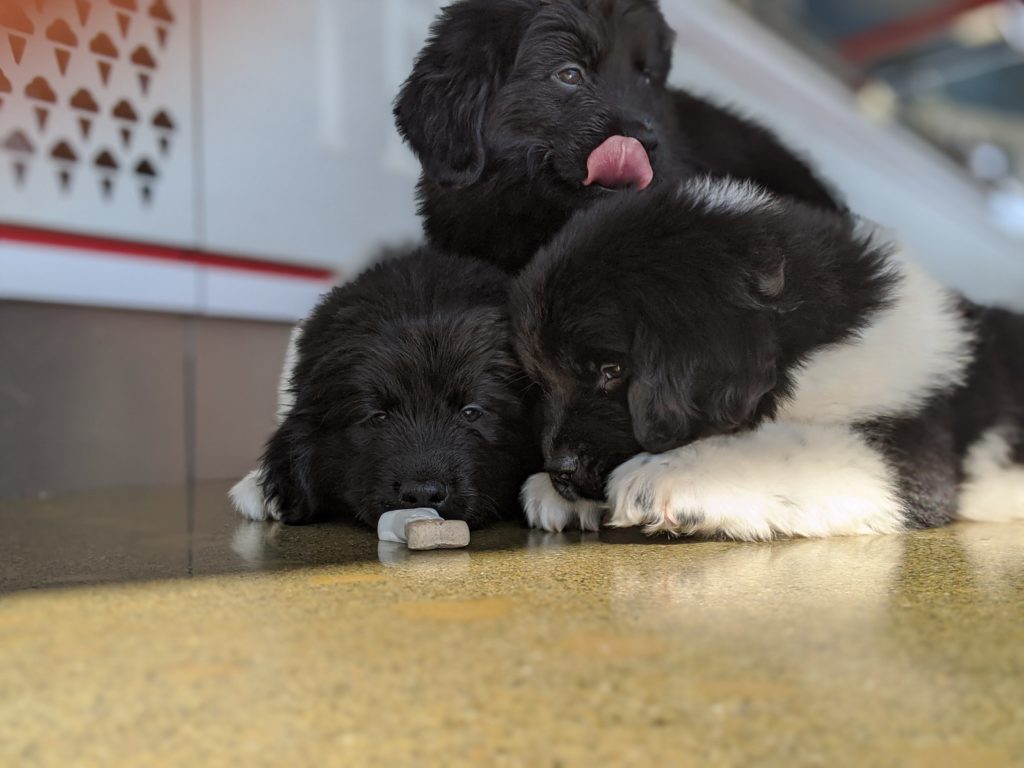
(563, 470)
(423, 493)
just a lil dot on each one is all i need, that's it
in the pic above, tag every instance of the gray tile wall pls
(237, 368)
(96, 398)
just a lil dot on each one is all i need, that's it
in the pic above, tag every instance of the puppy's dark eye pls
(611, 371)
(378, 417)
(570, 76)
(472, 412)
(645, 73)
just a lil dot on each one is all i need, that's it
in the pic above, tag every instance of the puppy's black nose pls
(423, 493)
(562, 467)
(641, 129)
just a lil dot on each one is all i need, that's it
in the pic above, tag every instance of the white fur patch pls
(247, 498)
(548, 510)
(285, 396)
(914, 349)
(727, 195)
(782, 479)
(993, 487)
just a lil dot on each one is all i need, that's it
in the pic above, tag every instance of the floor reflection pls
(996, 554)
(855, 573)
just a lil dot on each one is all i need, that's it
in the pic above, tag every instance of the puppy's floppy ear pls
(676, 398)
(770, 282)
(741, 399)
(765, 286)
(288, 471)
(441, 108)
(662, 418)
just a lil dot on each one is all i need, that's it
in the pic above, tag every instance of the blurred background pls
(179, 181)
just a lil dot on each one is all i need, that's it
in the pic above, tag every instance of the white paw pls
(247, 497)
(652, 491)
(782, 480)
(548, 510)
(590, 515)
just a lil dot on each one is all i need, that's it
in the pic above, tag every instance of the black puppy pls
(797, 373)
(523, 111)
(404, 392)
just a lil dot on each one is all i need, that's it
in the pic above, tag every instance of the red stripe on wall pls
(899, 35)
(142, 250)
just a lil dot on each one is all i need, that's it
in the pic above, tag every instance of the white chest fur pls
(918, 346)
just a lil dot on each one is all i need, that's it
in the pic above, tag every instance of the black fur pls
(697, 308)
(504, 144)
(928, 447)
(709, 315)
(387, 366)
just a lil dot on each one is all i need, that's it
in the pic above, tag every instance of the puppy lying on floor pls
(400, 390)
(719, 361)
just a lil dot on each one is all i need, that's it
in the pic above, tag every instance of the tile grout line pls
(190, 382)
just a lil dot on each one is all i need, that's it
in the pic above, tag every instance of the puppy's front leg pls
(783, 479)
(548, 510)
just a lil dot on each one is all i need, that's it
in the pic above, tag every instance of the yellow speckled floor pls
(533, 650)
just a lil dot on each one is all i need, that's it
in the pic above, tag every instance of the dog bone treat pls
(422, 529)
(437, 534)
(391, 525)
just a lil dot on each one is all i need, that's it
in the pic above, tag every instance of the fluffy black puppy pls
(797, 373)
(404, 392)
(523, 111)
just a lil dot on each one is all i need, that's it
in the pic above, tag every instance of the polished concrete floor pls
(154, 628)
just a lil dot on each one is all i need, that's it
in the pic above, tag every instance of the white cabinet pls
(260, 130)
(96, 118)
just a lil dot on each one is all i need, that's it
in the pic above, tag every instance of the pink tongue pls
(619, 162)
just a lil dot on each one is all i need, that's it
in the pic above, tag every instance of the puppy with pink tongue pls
(620, 161)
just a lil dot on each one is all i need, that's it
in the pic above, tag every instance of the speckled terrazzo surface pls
(534, 650)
